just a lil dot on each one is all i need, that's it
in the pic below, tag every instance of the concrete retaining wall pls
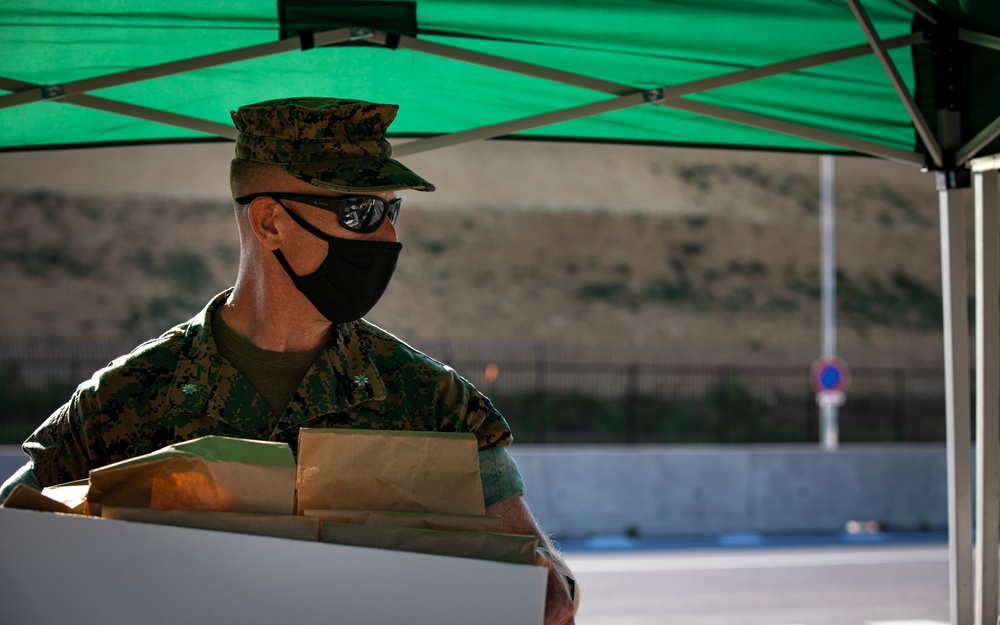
(683, 491)
(578, 492)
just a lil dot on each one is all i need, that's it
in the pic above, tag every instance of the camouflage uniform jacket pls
(178, 387)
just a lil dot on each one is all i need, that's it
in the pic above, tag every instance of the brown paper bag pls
(72, 494)
(208, 473)
(512, 548)
(342, 469)
(276, 526)
(416, 520)
(26, 498)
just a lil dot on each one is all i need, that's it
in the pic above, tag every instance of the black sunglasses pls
(359, 213)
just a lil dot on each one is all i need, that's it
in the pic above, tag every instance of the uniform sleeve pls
(481, 417)
(500, 475)
(64, 447)
(25, 476)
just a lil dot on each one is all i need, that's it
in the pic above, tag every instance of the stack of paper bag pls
(26, 498)
(275, 526)
(415, 520)
(209, 473)
(511, 548)
(410, 491)
(341, 469)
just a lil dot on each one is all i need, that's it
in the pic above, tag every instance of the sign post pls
(829, 378)
(828, 375)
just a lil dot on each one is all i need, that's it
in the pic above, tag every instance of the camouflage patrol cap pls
(330, 143)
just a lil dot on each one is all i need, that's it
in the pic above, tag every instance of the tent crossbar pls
(10, 84)
(979, 39)
(526, 123)
(977, 143)
(671, 91)
(992, 131)
(665, 96)
(786, 67)
(177, 67)
(510, 65)
(795, 130)
(920, 7)
(985, 163)
(226, 131)
(655, 96)
(923, 128)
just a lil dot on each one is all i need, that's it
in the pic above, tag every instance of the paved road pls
(831, 585)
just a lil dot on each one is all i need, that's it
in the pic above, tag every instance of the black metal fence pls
(565, 402)
(553, 399)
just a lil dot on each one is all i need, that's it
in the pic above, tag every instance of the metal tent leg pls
(956, 363)
(987, 396)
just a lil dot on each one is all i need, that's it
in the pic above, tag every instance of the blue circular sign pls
(829, 375)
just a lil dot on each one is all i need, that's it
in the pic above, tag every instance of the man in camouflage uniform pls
(313, 182)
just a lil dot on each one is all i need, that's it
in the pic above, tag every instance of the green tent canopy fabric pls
(756, 74)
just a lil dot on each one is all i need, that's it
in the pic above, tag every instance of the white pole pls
(955, 309)
(828, 409)
(987, 233)
(958, 410)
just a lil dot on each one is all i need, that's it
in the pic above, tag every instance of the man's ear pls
(263, 217)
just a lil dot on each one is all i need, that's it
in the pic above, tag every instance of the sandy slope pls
(524, 243)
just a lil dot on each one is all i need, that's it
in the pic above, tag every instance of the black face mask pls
(352, 278)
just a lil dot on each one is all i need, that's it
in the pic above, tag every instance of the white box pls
(57, 568)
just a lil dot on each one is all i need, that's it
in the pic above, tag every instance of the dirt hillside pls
(566, 245)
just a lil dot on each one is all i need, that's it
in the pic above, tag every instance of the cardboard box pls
(63, 568)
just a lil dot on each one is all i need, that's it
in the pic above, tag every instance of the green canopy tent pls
(913, 81)
(820, 76)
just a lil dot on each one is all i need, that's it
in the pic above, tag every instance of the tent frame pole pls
(668, 96)
(959, 435)
(987, 242)
(981, 140)
(227, 131)
(979, 39)
(483, 59)
(75, 92)
(991, 132)
(796, 130)
(954, 299)
(923, 129)
(526, 123)
(79, 87)
(926, 11)
(669, 91)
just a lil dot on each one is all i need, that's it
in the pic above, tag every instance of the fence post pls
(632, 404)
(723, 419)
(541, 367)
(448, 349)
(541, 383)
(74, 371)
(809, 421)
(898, 401)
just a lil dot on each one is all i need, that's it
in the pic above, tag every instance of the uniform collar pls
(342, 377)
